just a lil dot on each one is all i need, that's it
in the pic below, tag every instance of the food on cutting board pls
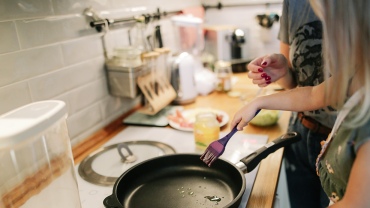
(265, 118)
(187, 120)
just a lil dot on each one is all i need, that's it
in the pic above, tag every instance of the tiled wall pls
(49, 51)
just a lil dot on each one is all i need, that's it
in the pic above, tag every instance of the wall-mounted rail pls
(100, 23)
(219, 5)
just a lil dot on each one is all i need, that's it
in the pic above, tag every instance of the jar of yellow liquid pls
(206, 129)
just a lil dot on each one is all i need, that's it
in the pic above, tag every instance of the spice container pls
(206, 129)
(224, 72)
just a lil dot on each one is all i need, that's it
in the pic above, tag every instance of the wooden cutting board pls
(157, 89)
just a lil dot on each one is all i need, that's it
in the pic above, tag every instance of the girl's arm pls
(358, 187)
(287, 81)
(297, 99)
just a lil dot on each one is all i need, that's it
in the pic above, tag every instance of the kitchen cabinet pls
(265, 185)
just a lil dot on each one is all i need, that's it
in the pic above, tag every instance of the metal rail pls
(100, 23)
(219, 5)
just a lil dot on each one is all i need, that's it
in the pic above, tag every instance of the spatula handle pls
(226, 139)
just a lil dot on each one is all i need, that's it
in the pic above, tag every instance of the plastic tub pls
(37, 168)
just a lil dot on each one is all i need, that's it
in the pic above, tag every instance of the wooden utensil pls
(157, 90)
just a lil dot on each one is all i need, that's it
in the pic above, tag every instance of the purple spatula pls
(217, 148)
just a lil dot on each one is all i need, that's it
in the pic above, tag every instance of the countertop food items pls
(265, 185)
(184, 119)
(266, 118)
(206, 129)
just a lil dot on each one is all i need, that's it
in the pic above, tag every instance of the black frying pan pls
(183, 180)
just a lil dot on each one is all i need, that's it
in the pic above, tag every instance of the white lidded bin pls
(37, 167)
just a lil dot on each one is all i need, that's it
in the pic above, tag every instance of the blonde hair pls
(346, 52)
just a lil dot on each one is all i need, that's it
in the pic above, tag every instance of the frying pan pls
(183, 180)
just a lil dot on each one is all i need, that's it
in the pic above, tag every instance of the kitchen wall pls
(49, 51)
(259, 40)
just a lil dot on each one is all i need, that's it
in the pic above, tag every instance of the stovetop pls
(239, 146)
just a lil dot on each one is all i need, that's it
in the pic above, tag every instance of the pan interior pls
(175, 183)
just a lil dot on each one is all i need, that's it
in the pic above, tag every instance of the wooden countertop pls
(264, 189)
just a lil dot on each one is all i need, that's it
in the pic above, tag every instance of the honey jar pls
(206, 129)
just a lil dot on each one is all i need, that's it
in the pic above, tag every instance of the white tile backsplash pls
(84, 119)
(76, 6)
(49, 51)
(10, 9)
(9, 39)
(13, 96)
(66, 79)
(48, 30)
(112, 105)
(86, 95)
(26, 64)
(82, 49)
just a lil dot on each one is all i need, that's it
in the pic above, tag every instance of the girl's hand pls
(244, 115)
(267, 69)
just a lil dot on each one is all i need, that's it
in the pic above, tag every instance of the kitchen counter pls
(265, 185)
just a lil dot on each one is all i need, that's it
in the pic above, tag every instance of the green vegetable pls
(265, 118)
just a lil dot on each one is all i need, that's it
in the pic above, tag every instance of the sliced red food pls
(219, 118)
(186, 124)
(179, 114)
(180, 120)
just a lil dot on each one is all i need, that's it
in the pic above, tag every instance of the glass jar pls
(127, 57)
(206, 129)
(224, 72)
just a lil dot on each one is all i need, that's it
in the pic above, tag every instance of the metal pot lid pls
(104, 166)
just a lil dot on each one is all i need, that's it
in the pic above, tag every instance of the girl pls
(342, 164)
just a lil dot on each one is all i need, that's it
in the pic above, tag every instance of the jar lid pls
(206, 115)
(30, 120)
(222, 64)
(127, 52)
(104, 166)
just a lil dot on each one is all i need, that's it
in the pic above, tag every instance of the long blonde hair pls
(346, 52)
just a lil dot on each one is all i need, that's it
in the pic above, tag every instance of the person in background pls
(343, 162)
(299, 64)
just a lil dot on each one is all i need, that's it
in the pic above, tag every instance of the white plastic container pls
(37, 167)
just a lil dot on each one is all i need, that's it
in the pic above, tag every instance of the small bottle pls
(224, 72)
(206, 129)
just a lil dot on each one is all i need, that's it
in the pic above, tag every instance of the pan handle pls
(248, 163)
(110, 202)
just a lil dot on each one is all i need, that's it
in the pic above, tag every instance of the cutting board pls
(159, 119)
